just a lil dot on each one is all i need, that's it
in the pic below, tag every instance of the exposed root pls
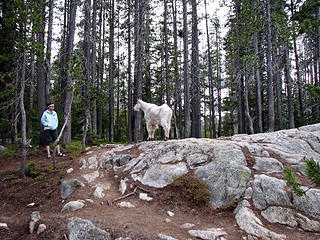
(110, 202)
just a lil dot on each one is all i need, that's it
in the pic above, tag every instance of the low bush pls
(192, 188)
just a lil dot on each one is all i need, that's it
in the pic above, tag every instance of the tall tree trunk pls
(218, 81)
(289, 87)
(25, 145)
(86, 70)
(278, 91)
(48, 54)
(129, 75)
(195, 70)
(93, 67)
(118, 133)
(69, 53)
(296, 57)
(41, 95)
(178, 102)
(62, 76)
(186, 75)
(138, 50)
(101, 68)
(258, 84)
(318, 57)
(111, 73)
(269, 70)
(239, 80)
(166, 52)
(32, 89)
(246, 102)
(211, 90)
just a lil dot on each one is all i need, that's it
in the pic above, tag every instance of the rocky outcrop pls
(246, 170)
(84, 229)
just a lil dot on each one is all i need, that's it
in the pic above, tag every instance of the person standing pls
(49, 120)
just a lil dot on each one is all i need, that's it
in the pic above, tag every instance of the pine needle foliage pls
(313, 171)
(313, 174)
(290, 177)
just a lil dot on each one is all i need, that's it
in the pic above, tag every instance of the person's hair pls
(49, 104)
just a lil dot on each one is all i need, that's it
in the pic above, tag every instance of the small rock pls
(34, 218)
(209, 234)
(89, 200)
(171, 214)
(123, 186)
(98, 193)
(187, 225)
(70, 170)
(31, 204)
(145, 197)
(3, 225)
(126, 205)
(166, 237)
(41, 228)
(72, 206)
(167, 220)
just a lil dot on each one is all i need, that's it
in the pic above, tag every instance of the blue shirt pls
(49, 119)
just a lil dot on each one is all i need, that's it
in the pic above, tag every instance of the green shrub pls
(313, 171)
(12, 151)
(32, 169)
(192, 188)
(74, 149)
(313, 174)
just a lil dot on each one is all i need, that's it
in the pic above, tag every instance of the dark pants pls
(50, 133)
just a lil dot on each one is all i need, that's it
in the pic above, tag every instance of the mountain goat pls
(154, 116)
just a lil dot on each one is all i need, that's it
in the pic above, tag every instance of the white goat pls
(154, 116)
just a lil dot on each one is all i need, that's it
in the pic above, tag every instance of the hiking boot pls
(48, 156)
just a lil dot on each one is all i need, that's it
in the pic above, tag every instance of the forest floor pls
(145, 221)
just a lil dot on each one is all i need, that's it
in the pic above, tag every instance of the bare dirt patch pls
(145, 221)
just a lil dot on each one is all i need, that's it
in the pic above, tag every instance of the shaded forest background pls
(262, 75)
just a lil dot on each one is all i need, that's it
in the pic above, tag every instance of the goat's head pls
(137, 106)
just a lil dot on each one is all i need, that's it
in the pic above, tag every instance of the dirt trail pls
(145, 221)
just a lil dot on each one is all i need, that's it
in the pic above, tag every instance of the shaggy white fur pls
(154, 116)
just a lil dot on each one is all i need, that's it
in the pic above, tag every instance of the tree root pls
(110, 202)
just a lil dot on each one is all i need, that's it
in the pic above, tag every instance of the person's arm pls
(44, 120)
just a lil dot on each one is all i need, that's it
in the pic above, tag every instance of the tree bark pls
(195, 72)
(212, 124)
(93, 67)
(130, 106)
(41, 78)
(289, 88)
(269, 70)
(186, 76)
(25, 145)
(69, 82)
(48, 54)
(86, 70)
(258, 83)
(178, 102)
(111, 73)
(138, 49)
(166, 52)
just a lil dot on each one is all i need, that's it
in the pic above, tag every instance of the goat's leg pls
(149, 130)
(154, 127)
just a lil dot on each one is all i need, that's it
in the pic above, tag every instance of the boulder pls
(72, 206)
(68, 186)
(3, 148)
(269, 191)
(34, 218)
(84, 229)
